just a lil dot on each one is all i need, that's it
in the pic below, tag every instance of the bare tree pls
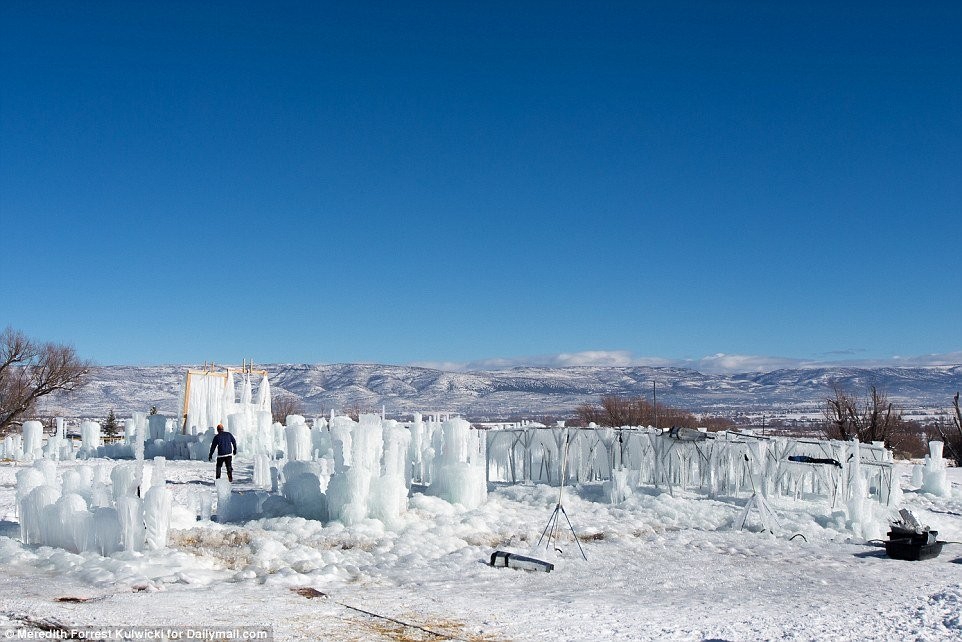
(875, 419)
(31, 370)
(615, 411)
(952, 437)
(284, 406)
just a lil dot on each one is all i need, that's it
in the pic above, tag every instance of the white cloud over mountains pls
(712, 364)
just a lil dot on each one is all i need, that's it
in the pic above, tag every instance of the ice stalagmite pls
(205, 504)
(13, 447)
(157, 507)
(156, 427)
(106, 530)
(459, 475)
(239, 425)
(74, 528)
(54, 441)
(32, 440)
(140, 434)
(222, 487)
(72, 482)
(34, 518)
(341, 428)
(298, 437)
(389, 492)
(132, 529)
(302, 489)
(617, 488)
(263, 399)
(321, 439)
(359, 453)
(264, 434)
(933, 474)
(126, 480)
(27, 480)
(90, 438)
(262, 471)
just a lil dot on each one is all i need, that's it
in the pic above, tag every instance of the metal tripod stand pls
(551, 528)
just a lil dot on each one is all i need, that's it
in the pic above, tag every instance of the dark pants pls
(228, 461)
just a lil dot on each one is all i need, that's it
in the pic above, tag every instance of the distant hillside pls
(525, 391)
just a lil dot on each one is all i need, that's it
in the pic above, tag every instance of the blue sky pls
(483, 183)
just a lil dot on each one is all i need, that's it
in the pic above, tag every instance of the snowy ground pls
(659, 567)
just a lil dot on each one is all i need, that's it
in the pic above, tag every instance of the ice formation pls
(90, 438)
(361, 446)
(302, 488)
(83, 514)
(211, 398)
(32, 440)
(157, 507)
(933, 473)
(459, 470)
(729, 464)
(389, 491)
(298, 437)
(354, 471)
(262, 471)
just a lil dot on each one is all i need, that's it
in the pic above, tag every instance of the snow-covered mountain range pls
(528, 392)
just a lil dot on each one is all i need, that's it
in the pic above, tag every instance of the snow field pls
(660, 566)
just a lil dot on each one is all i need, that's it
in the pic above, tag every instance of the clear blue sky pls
(459, 181)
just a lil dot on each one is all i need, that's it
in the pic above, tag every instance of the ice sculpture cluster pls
(351, 471)
(85, 513)
(459, 470)
(857, 477)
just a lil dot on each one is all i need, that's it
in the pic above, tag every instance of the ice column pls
(298, 439)
(264, 435)
(459, 470)
(157, 507)
(90, 437)
(389, 492)
(262, 471)
(126, 480)
(27, 480)
(54, 441)
(132, 528)
(73, 529)
(222, 487)
(934, 474)
(617, 488)
(359, 452)
(34, 515)
(32, 440)
(156, 426)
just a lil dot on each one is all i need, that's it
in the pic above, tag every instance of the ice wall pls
(213, 399)
(205, 406)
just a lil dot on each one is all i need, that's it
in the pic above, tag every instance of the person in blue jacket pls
(226, 446)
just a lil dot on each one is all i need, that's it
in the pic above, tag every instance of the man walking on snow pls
(226, 446)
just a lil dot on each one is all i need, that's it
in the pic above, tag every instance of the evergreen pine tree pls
(110, 426)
